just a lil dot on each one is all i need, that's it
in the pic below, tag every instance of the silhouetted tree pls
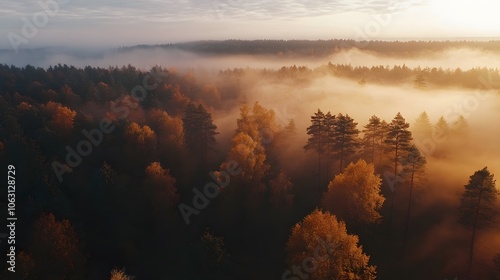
(398, 142)
(441, 136)
(373, 138)
(317, 138)
(345, 138)
(413, 168)
(281, 197)
(199, 131)
(476, 206)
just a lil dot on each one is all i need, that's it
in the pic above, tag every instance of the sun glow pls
(479, 16)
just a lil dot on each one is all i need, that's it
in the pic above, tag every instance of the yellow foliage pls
(62, 117)
(321, 246)
(354, 195)
(140, 135)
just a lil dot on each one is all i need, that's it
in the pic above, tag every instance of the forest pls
(296, 172)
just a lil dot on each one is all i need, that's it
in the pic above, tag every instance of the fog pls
(442, 238)
(436, 233)
(463, 58)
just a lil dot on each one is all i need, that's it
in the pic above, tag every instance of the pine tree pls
(441, 136)
(345, 138)
(373, 138)
(199, 130)
(476, 206)
(422, 129)
(413, 167)
(398, 142)
(317, 138)
(329, 127)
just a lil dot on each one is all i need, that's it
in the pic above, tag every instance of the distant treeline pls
(320, 47)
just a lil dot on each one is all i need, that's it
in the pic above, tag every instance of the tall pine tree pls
(476, 206)
(345, 137)
(199, 131)
(317, 138)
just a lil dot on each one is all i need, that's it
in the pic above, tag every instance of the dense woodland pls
(319, 48)
(156, 193)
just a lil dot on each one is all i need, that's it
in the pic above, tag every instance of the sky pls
(115, 23)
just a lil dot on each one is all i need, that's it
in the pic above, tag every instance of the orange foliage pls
(322, 240)
(354, 195)
(62, 117)
(140, 135)
(58, 240)
(161, 185)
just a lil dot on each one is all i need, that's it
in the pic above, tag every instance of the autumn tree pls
(199, 131)
(477, 206)
(354, 195)
(320, 248)
(373, 138)
(140, 142)
(159, 187)
(62, 117)
(207, 259)
(413, 169)
(281, 197)
(56, 249)
(119, 274)
(259, 123)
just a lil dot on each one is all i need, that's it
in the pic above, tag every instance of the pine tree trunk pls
(407, 225)
(471, 249)
(393, 192)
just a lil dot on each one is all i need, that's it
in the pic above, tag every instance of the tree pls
(199, 131)
(460, 133)
(62, 117)
(119, 274)
(159, 187)
(250, 155)
(281, 198)
(373, 138)
(317, 138)
(345, 138)
(329, 125)
(420, 82)
(476, 206)
(354, 195)
(422, 129)
(207, 259)
(413, 167)
(320, 248)
(398, 142)
(56, 249)
(441, 136)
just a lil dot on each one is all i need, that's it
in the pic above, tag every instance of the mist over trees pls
(278, 188)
